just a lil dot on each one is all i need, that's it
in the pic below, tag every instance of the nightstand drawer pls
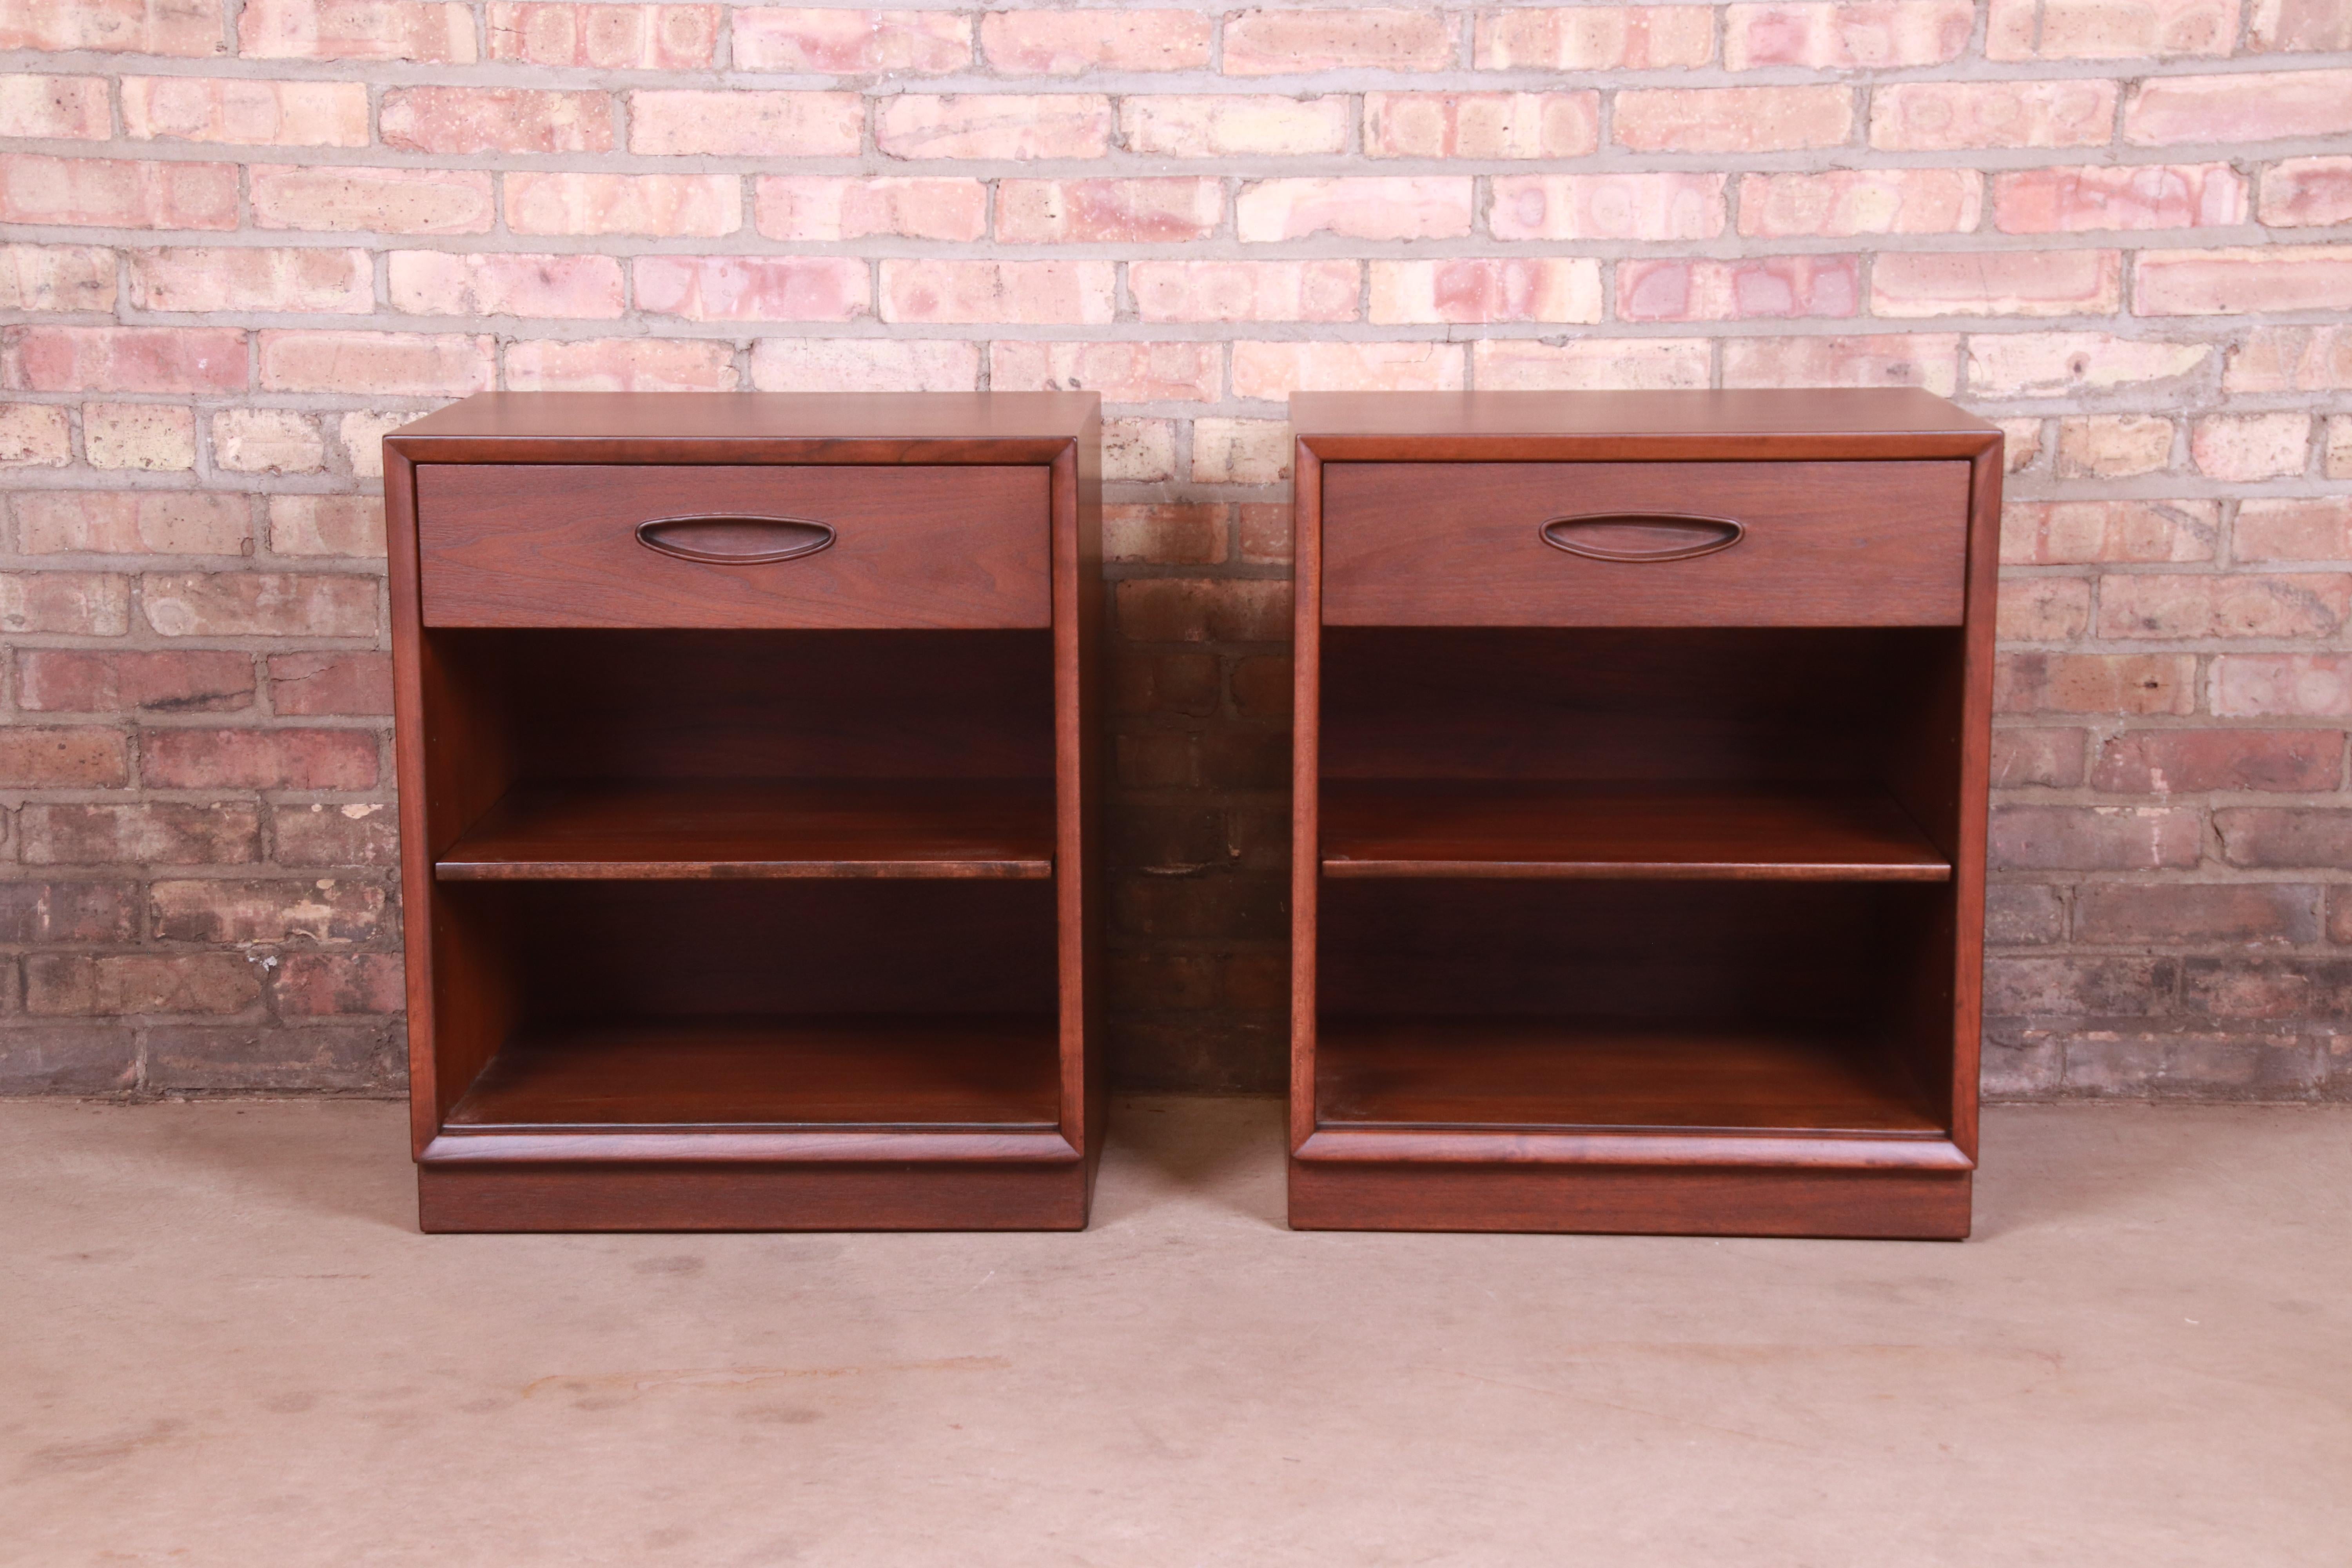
(753, 546)
(1644, 544)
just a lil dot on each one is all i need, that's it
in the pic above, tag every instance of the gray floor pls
(222, 1342)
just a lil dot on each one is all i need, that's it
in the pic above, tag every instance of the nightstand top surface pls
(704, 417)
(1429, 425)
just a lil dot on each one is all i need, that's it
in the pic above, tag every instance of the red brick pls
(1265, 532)
(453, 283)
(434, 30)
(1245, 759)
(404, 364)
(752, 287)
(1275, 370)
(2340, 913)
(1122, 372)
(158, 833)
(2068, 364)
(2184, 762)
(1061, 292)
(67, 108)
(2021, 912)
(255, 1058)
(117, 522)
(852, 43)
(1481, 124)
(2300, 192)
(1837, 203)
(1596, 38)
(1931, 116)
(64, 682)
(1922, 359)
(1201, 609)
(1071, 43)
(189, 28)
(1159, 211)
(1262, 686)
(1996, 283)
(257, 759)
(1732, 119)
(864, 364)
(1244, 291)
(1487, 289)
(1140, 683)
(832, 208)
(1171, 534)
(76, 604)
(2242, 987)
(1874, 34)
(2095, 683)
(141, 983)
(2280, 25)
(2228, 282)
(308, 683)
(85, 757)
(231, 910)
(388, 201)
(1162, 982)
(1586, 364)
(2283, 684)
(621, 365)
(2085, 197)
(495, 119)
(2044, 609)
(2233, 604)
(356, 833)
(696, 205)
(1768, 286)
(2256, 912)
(1292, 43)
(2050, 758)
(2128, 29)
(36, 911)
(1401, 206)
(1672, 205)
(992, 125)
(2077, 986)
(739, 124)
(607, 38)
(2266, 836)
(2096, 838)
(2298, 529)
(260, 603)
(122, 359)
(326, 525)
(116, 192)
(1181, 126)
(2232, 110)
(323, 984)
(203, 278)
(248, 112)
(2073, 533)
(56, 278)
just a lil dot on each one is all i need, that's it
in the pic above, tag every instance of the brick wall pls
(245, 237)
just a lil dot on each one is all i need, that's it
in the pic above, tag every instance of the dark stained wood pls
(664, 830)
(1306, 783)
(906, 1194)
(559, 545)
(1452, 829)
(1464, 544)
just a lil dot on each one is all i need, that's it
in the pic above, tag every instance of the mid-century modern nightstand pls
(748, 785)
(1639, 844)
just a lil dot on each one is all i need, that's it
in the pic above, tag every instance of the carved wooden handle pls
(1641, 535)
(725, 540)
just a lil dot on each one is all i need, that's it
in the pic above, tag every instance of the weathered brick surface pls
(238, 243)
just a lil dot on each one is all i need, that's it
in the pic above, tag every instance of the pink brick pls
(1729, 291)
(352, 833)
(1678, 205)
(1241, 451)
(2009, 29)
(1166, 535)
(147, 437)
(1934, 116)
(34, 435)
(2283, 686)
(607, 37)
(2336, 457)
(2168, 761)
(452, 283)
(1187, 127)
(1140, 451)
(2113, 446)
(1122, 372)
(495, 119)
(253, 278)
(2246, 446)
(2297, 529)
(189, 28)
(747, 124)
(864, 364)
(54, 680)
(833, 207)
(266, 441)
(122, 359)
(2228, 283)
(388, 201)
(2223, 605)
(1071, 43)
(1424, 206)
(1733, 119)
(116, 192)
(2137, 29)
(72, 603)
(1244, 291)
(56, 278)
(436, 31)
(1060, 292)
(2281, 25)
(66, 107)
(2307, 192)
(2140, 195)
(1291, 42)
(2079, 533)
(1596, 38)
(1275, 370)
(2042, 609)
(325, 525)
(1154, 211)
(2095, 683)
(257, 759)
(261, 604)
(754, 288)
(1486, 288)
(1582, 364)
(1919, 359)
(2230, 110)
(621, 365)
(306, 683)
(1996, 283)
(1481, 124)
(403, 364)
(1838, 203)
(991, 125)
(852, 43)
(132, 522)
(2062, 365)
(696, 205)
(1876, 35)
(252, 113)
(84, 756)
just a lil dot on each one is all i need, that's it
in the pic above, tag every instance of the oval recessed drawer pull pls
(1641, 535)
(731, 540)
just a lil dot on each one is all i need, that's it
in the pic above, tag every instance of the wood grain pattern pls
(904, 1195)
(1825, 545)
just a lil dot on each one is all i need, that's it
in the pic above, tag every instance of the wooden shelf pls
(669, 831)
(1542, 1074)
(915, 1071)
(1415, 827)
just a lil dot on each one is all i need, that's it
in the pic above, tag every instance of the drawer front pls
(1644, 544)
(563, 546)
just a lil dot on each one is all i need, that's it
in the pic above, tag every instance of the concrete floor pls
(222, 1342)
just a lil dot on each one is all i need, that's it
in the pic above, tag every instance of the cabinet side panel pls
(408, 752)
(1077, 517)
(1305, 773)
(1976, 769)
